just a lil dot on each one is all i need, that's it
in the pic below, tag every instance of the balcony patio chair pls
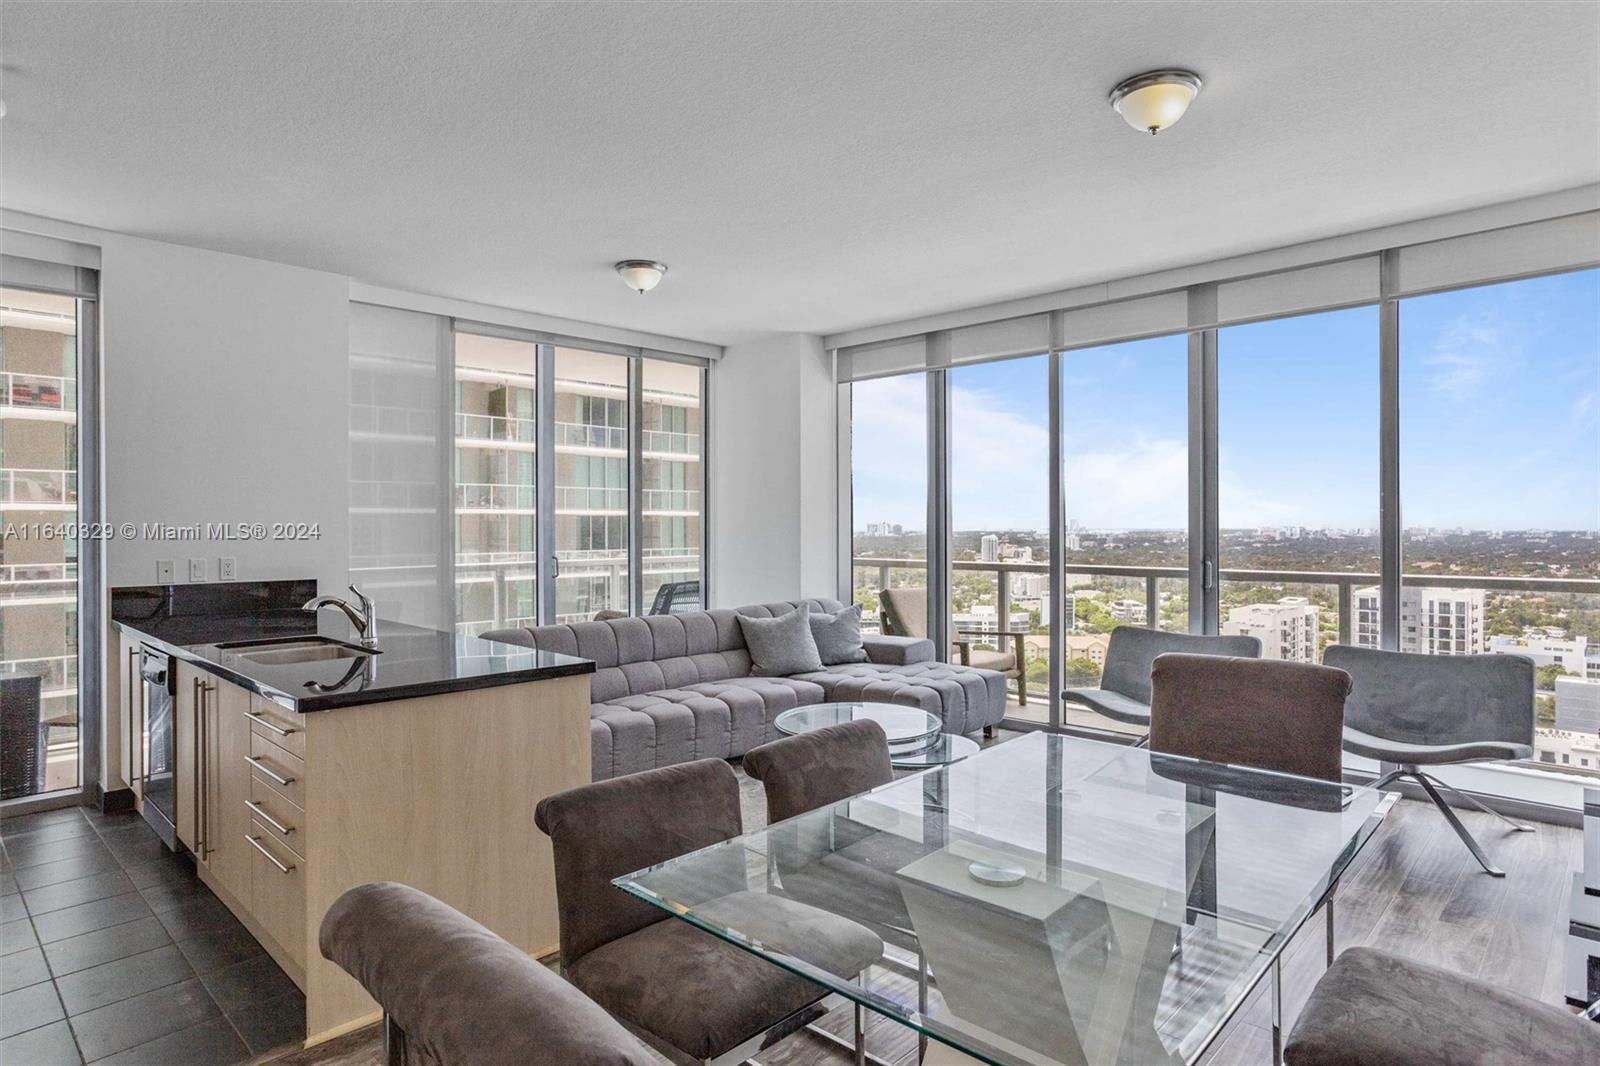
(454, 994)
(676, 597)
(1413, 710)
(904, 613)
(691, 995)
(1124, 691)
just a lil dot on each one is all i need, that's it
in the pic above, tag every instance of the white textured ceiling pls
(812, 167)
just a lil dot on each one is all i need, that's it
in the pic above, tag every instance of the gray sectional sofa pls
(676, 687)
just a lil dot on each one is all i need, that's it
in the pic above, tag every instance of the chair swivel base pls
(1431, 786)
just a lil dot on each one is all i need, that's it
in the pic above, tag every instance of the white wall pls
(226, 399)
(773, 498)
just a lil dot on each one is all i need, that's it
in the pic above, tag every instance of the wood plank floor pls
(1415, 890)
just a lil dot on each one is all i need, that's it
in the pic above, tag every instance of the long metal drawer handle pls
(255, 760)
(261, 812)
(261, 719)
(255, 842)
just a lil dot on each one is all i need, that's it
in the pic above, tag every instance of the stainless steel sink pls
(286, 651)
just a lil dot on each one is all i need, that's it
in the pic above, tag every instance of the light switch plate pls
(197, 569)
(163, 571)
(225, 567)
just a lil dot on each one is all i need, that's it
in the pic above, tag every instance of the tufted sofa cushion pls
(672, 688)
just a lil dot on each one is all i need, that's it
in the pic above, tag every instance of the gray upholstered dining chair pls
(804, 772)
(1414, 710)
(1265, 714)
(692, 996)
(853, 874)
(904, 613)
(455, 994)
(1124, 691)
(1374, 1007)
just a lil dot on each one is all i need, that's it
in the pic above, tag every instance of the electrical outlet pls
(197, 569)
(225, 568)
(163, 571)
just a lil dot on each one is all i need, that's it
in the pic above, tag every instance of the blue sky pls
(1500, 423)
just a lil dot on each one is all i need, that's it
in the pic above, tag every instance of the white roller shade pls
(881, 360)
(1567, 243)
(998, 340)
(399, 455)
(1294, 292)
(1146, 316)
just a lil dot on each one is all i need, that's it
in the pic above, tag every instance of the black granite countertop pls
(407, 662)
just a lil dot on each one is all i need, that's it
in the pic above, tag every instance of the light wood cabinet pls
(287, 811)
(228, 773)
(189, 766)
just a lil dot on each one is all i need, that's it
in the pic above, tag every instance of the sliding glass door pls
(889, 495)
(42, 600)
(578, 482)
(1500, 484)
(1000, 524)
(1297, 499)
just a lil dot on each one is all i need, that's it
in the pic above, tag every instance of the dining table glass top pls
(1051, 899)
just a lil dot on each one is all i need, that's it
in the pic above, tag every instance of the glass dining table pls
(1051, 899)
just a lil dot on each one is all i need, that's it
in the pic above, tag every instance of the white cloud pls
(1467, 355)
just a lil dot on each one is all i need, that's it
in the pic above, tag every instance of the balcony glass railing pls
(590, 498)
(495, 428)
(686, 500)
(45, 392)
(58, 673)
(671, 443)
(39, 488)
(485, 496)
(579, 435)
(39, 582)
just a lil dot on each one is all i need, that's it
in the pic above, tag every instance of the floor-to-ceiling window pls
(40, 591)
(591, 482)
(1224, 470)
(1000, 523)
(496, 500)
(577, 481)
(672, 493)
(1500, 490)
(1297, 430)
(889, 492)
(1124, 483)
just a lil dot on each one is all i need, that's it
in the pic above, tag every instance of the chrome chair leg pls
(1328, 907)
(1461, 830)
(1276, 993)
(1519, 827)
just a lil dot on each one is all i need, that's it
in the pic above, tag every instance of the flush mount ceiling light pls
(641, 275)
(1152, 102)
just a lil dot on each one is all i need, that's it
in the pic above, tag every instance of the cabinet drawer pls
(278, 891)
(278, 769)
(285, 822)
(274, 723)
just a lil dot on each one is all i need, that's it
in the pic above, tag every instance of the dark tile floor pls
(111, 950)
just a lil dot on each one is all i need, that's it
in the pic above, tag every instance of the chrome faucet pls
(365, 621)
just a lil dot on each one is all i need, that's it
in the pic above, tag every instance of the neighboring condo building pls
(1578, 705)
(1433, 621)
(1287, 629)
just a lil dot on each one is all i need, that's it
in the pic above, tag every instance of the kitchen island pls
(304, 764)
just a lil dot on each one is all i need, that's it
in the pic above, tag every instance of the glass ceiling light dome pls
(641, 275)
(1152, 102)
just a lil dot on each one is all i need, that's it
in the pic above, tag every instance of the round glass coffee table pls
(945, 749)
(908, 728)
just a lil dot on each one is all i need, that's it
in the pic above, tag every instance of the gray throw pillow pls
(838, 636)
(781, 646)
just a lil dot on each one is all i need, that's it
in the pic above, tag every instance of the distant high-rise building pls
(1577, 704)
(989, 548)
(1432, 621)
(1287, 629)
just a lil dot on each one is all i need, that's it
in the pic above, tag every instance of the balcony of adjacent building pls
(521, 434)
(39, 490)
(38, 397)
